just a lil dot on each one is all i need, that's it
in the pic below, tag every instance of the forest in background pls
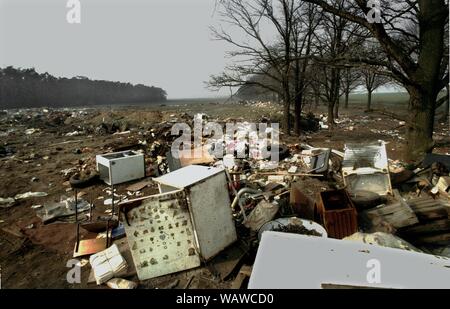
(21, 88)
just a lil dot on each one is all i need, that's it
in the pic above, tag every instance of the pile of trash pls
(216, 201)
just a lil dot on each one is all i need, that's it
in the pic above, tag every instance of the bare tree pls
(307, 21)
(336, 38)
(446, 116)
(257, 55)
(351, 79)
(412, 35)
(372, 81)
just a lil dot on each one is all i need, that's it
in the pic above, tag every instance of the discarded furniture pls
(289, 261)
(120, 167)
(189, 222)
(206, 190)
(337, 213)
(365, 167)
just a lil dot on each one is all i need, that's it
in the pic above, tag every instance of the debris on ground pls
(382, 239)
(121, 284)
(27, 195)
(108, 264)
(167, 220)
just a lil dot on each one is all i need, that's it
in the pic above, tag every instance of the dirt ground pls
(34, 255)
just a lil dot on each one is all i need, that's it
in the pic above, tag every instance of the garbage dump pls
(223, 215)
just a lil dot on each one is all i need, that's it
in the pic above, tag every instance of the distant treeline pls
(27, 88)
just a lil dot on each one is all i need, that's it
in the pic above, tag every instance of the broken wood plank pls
(244, 272)
(188, 283)
(228, 260)
(397, 215)
(428, 209)
(287, 174)
(432, 213)
(139, 186)
(429, 228)
(441, 239)
(13, 231)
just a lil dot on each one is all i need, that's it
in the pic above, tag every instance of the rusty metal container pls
(337, 213)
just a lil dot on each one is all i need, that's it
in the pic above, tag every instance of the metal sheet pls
(289, 261)
(187, 176)
(89, 246)
(365, 167)
(120, 167)
(161, 236)
(212, 215)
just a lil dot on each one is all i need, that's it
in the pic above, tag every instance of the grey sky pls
(165, 43)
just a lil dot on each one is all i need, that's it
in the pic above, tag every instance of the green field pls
(382, 99)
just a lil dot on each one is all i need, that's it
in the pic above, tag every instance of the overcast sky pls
(165, 43)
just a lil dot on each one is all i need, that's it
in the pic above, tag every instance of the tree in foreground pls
(414, 37)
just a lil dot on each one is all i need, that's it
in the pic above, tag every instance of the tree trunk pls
(419, 135)
(287, 117)
(347, 95)
(447, 112)
(298, 113)
(336, 109)
(446, 117)
(316, 99)
(330, 115)
(369, 101)
(333, 97)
